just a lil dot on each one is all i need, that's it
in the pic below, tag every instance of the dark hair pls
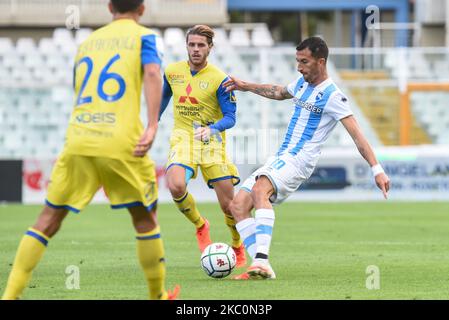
(123, 6)
(317, 47)
(201, 30)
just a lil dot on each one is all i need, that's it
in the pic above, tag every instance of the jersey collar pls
(194, 73)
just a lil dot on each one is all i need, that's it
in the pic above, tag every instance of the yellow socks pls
(29, 253)
(186, 204)
(230, 222)
(150, 251)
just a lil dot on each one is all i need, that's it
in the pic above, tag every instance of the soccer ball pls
(218, 260)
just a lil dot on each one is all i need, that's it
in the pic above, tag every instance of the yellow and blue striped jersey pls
(108, 85)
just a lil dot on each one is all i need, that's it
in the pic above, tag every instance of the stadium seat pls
(441, 69)
(420, 67)
(56, 61)
(443, 139)
(12, 140)
(33, 60)
(6, 46)
(11, 60)
(220, 38)
(81, 35)
(261, 37)
(69, 51)
(174, 40)
(39, 73)
(47, 46)
(61, 94)
(65, 42)
(435, 122)
(26, 46)
(21, 75)
(239, 37)
(4, 73)
(62, 35)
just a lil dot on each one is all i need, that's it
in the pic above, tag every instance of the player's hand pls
(145, 142)
(234, 84)
(383, 183)
(202, 134)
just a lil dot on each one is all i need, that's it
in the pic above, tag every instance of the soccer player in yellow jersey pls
(106, 145)
(203, 110)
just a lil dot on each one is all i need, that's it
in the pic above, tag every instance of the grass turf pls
(319, 251)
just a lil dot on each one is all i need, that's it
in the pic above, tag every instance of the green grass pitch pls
(319, 251)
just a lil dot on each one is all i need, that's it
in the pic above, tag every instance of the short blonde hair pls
(202, 30)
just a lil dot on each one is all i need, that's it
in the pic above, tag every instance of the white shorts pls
(286, 174)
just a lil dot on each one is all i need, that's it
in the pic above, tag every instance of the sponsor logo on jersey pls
(192, 100)
(175, 78)
(100, 117)
(204, 85)
(308, 106)
(232, 97)
(149, 190)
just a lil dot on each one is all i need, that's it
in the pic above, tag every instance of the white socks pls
(247, 230)
(257, 233)
(264, 231)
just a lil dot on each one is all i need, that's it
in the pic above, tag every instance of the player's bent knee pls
(50, 221)
(241, 206)
(233, 208)
(48, 227)
(177, 189)
(257, 192)
(143, 221)
(226, 208)
(259, 195)
(153, 219)
(237, 209)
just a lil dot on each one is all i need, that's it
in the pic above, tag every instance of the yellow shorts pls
(215, 165)
(75, 179)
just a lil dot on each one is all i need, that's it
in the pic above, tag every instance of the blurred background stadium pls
(390, 57)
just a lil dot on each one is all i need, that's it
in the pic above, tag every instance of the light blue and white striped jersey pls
(317, 111)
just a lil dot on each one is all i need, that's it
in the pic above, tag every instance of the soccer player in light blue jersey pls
(318, 106)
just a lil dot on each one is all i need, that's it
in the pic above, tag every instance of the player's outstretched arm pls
(270, 91)
(382, 180)
(152, 88)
